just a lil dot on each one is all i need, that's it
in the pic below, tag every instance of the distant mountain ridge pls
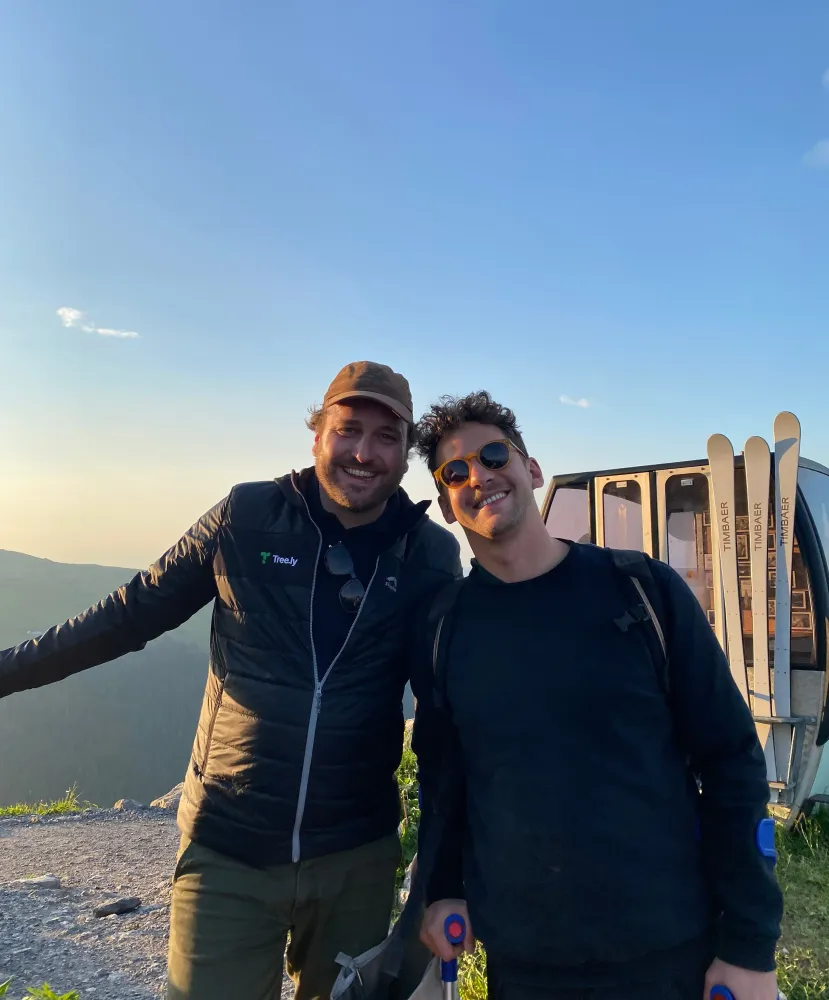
(122, 729)
(37, 593)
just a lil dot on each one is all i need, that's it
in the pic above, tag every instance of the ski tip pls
(719, 441)
(787, 420)
(756, 443)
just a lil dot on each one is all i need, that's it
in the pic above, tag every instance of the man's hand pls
(743, 983)
(432, 932)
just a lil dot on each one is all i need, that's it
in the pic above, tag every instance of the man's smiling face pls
(360, 454)
(493, 502)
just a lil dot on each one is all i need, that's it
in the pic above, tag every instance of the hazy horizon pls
(103, 513)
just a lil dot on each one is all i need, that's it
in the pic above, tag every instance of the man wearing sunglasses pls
(559, 773)
(290, 807)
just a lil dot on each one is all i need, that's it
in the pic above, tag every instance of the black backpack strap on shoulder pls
(439, 613)
(634, 565)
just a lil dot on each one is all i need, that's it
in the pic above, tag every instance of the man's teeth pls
(360, 473)
(492, 499)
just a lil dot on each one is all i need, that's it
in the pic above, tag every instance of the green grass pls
(70, 803)
(44, 992)
(407, 782)
(802, 869)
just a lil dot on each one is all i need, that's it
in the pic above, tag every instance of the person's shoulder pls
(255, 488)
(671, 588)
(589, 557)
(248, 499)
(666, 578)
(615, 559)
(599, 559)
(435, 545)
(435, 535)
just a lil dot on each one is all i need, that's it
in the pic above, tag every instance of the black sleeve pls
(716, 729)
(156, 600)
(442, 784)
(442, 799)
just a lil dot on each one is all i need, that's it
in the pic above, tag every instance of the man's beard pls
(499, 526)
(381, 492)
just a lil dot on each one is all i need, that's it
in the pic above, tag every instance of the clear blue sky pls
(624, 203)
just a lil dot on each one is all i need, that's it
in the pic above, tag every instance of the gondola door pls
(623, 512)
(686, 541)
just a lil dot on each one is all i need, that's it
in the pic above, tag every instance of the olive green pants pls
(230, 923)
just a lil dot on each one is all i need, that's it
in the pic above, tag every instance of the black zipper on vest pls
(316, 706)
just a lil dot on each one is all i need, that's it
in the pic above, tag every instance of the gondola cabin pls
(749, 533)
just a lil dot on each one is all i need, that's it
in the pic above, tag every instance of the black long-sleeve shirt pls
(571, 821)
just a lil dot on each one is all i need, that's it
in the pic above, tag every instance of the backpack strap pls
(634, 566)
(439, 624)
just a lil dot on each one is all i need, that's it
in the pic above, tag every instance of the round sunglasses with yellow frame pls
(493, 455)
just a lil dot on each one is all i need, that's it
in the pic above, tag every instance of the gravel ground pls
(52, 934)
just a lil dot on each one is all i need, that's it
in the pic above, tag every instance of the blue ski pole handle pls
(724, 993)
(454, 927)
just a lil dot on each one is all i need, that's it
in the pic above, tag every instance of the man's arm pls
(442, 800)
(154, 601)
(717, 730)
(442, 822)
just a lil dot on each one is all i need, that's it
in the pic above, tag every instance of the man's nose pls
(478, 475)
(364, 451)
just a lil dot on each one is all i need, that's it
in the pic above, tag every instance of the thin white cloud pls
(105, 331)
(72, 319)
(818, 155)
(569, 401)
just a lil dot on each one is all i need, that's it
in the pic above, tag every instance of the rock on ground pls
(128, 805)
(52, 935)
(171, 799)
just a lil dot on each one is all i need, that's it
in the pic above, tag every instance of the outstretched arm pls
(156, 600)
(717, 730)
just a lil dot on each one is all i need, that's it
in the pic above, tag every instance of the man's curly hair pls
(450, 412)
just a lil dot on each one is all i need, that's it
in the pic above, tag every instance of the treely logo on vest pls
(287, 560)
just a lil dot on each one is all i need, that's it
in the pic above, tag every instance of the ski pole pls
(724, 993)
(454, 927)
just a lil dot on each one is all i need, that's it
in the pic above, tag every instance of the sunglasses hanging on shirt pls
(338, 562)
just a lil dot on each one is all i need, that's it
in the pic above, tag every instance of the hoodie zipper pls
(316, 705)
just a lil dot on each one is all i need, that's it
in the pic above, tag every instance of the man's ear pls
(536, 475)
(315, 445)
(446, 508)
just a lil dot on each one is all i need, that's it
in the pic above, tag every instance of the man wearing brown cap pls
(290, 808)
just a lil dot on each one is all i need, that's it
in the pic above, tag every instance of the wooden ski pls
(758, 487)
(721, 463)
(786, 459)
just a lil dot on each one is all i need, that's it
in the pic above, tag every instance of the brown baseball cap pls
(370, 380)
